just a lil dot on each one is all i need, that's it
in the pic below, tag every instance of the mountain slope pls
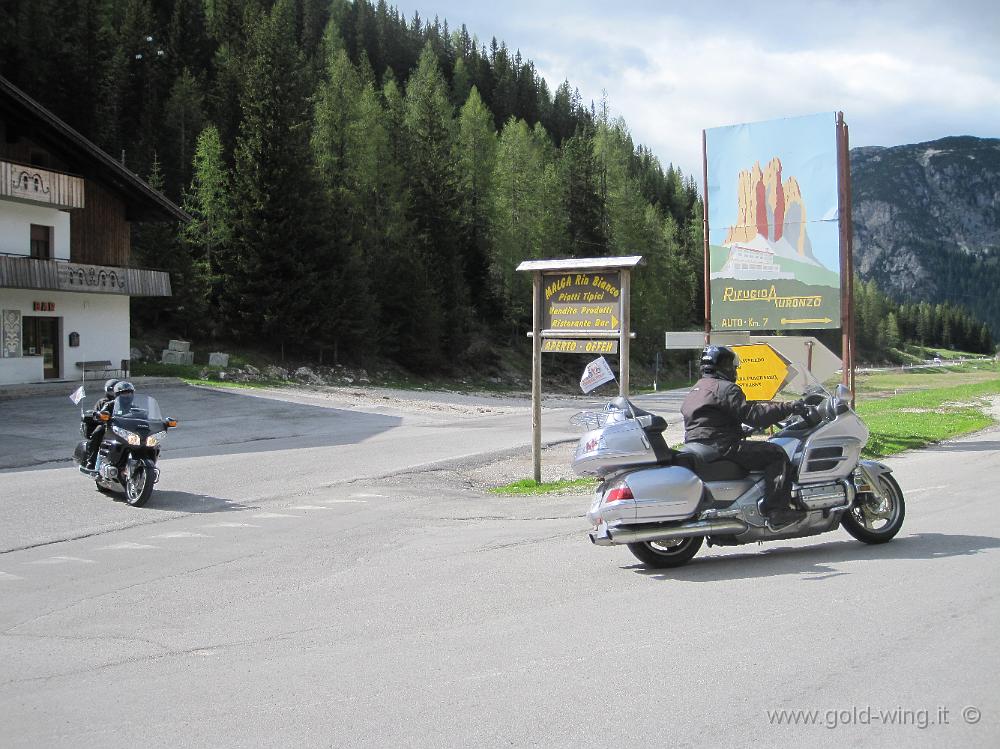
(927, 222)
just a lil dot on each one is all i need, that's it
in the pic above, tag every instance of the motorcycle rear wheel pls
(864, 519)
(139, 483)
(663, 554)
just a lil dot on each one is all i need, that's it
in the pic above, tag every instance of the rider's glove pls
(799, 408)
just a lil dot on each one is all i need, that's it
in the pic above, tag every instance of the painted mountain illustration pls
(770, 226)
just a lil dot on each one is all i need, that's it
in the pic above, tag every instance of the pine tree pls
(274, 289)
(157, 245)
(434, 201)
(475, 157)
(184, 117)
(584, 204)
(208, 236)
(409, 305)
(518, 218)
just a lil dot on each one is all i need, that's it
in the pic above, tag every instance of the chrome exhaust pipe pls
(697, 528)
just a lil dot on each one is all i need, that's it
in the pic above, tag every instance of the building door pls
(41, 338)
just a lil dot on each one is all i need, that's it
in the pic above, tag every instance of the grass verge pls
(526, 487)
(916, 419)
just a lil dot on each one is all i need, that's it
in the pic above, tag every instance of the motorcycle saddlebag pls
(80, 453)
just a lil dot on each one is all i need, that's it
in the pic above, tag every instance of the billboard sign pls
(774, 224)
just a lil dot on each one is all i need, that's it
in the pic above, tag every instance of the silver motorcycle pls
(664, 503)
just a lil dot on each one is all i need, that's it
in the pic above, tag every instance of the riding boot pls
(778, 516)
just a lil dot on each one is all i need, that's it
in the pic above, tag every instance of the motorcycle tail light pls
(618, 494)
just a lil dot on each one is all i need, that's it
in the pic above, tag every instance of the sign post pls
(579, 306)
(536, 375)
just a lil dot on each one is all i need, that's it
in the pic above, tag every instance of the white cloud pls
(902, 71)
(691, 81)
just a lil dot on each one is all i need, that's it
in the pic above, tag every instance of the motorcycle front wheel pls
(662, 554)
(139, 482)
(875, 520)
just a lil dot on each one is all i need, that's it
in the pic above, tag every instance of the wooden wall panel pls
(99, 234)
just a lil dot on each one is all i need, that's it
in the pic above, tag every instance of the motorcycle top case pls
(613, 447)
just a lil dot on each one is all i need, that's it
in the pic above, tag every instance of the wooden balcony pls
(32, 184)
(27, 273)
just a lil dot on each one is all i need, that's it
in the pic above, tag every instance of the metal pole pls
(624, 337)
(536, 375)
(707, 253)
(846, 267)
(850, 252)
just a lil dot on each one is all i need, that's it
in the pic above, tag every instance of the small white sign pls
(597, 373)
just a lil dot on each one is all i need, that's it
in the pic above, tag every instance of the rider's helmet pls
(109, 388)
(124, 388)
(720, 360)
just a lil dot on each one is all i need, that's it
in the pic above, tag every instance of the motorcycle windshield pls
(817, 389)
(138, 407)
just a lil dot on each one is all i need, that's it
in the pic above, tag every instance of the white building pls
(751, 264)
(66, 209)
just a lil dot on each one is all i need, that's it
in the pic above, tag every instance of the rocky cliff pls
(771, 209)
(927, 222)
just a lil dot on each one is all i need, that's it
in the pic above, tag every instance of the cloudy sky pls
(901, 71)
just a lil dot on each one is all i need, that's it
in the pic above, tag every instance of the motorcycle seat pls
(707, 463)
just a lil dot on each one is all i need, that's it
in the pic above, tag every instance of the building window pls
(41, 242)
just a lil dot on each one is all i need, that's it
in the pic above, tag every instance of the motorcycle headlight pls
(154, 439)
(131, 437)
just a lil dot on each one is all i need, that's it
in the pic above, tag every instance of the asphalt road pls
(323, 573)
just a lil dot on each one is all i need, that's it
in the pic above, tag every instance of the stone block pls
(183, 346)
(216, 359)
(177, 357)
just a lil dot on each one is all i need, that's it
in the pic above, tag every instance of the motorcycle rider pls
(97, 427)
(714, 413)
(124, 389)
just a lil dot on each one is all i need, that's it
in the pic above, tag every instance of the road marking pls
(310, 507)
(182, 534)
(342, 501)
(269, 515)
(127, 545)
(367, 495)
(231, 525)
(62, 560)
(925, 489)
(9, 576)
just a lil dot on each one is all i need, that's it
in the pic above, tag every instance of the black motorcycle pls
(134, 430)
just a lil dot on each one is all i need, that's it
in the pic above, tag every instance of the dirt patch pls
(556, 466)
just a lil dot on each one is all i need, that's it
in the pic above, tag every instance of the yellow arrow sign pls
(762, 372)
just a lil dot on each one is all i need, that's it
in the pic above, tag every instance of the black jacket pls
(715, 410)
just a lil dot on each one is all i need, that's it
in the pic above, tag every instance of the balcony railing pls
(35, 185)
(29, 273)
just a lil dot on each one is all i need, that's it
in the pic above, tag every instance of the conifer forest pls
(363, 184)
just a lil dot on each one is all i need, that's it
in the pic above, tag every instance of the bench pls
(104, 367)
